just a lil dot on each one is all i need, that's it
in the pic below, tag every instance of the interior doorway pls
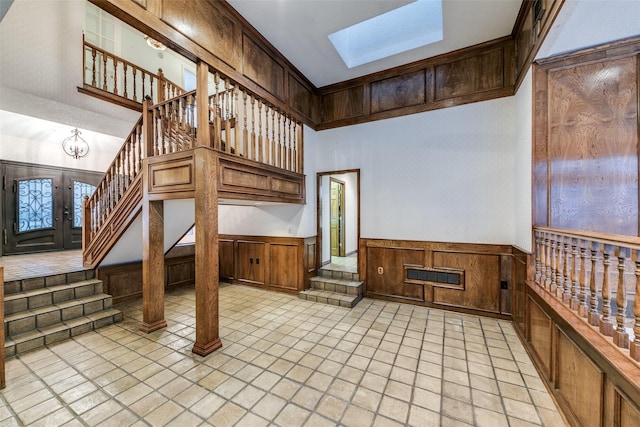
(338, 219)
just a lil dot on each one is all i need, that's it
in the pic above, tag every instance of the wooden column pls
(206, 257)
(152, 265)
(202, 102)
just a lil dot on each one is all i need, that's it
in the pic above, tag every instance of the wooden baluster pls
(559, 264)
(606, 327)
(554, 264)
(245, 130)
(142, 84)
(634, 347)
(93, 68)
(115, 75)
(259, 131)
(267, 146)
(298, 148)
(279, 145)
(273, 137)
(584, 286)
(129, 162)
(543, 260)
(124, 67)
(236, 129)
(151, 87)
(254, 148)
(218, 113)
(536, 238)
(289, 148)
(135, 93)
(547, 281)
(569, 266)
(162, 87)
(227, 119)
(104, 72)
(594, 316)
(620, 335)
(574, 304)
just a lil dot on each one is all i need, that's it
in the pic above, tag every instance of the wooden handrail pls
(576, 267)
(135, 82)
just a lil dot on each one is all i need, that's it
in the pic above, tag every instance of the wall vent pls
(441, 277)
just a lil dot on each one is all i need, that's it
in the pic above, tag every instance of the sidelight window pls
(80, 189)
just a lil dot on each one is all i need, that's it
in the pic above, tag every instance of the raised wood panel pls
(579, 382)
(518, 290)
(281, 273)
(226, 253)
(343, 104)
(303, 99)
(398, 92)
(279, 185)
(260, 67)
(593, 144)
(628, 413)
(175, 175)
(540, 330)
(251, 262)
(180, 271)
(475, 74)
(206, 24)
(390, 280)
(482, 281)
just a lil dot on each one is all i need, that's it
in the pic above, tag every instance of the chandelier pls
(75, 146)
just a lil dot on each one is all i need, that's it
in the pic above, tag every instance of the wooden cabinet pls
(251, 262)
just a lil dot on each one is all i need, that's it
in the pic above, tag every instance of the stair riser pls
(333, 287)
(55, 315)
(24, 285)
(340, 275)
(16, 305)
(331, 301)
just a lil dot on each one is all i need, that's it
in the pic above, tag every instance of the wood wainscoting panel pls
(579, 382)
(226, 253)
(251, 262)
(627, 414)
(171, 176)
(480, 272)
(261, 67)
(303, 99)
(281, 275)
(398, 92)
(478, 73)
(206, 24)
(540, 335)
(343, 104)
(593, 146)
(180, 271)
(386, 272)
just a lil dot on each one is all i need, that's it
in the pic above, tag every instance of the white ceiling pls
(40, 50)
(299, 30)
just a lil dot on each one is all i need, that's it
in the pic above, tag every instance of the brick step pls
(28, 320)
(341, 286)
(329, 297)
(47, 335)
(54, 294)
(335, 274)
(24, 285)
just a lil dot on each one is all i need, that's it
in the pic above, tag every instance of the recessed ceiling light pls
(408, 27)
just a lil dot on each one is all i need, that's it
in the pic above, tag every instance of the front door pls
(43, 207)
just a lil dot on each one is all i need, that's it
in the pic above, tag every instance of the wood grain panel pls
(470, 75)
(280, 271)
(303, 99)
(593, 147)
(398, 92)
(540, 158)
(482, 281)
(260, 67)
(390, 282)
(579, 382)
(226, 252)
(205, 23)
(251, 262)
(629, 414)
(343, 104)
(180, 271)
(540, 329)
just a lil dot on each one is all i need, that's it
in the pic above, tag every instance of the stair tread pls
(50, 289)
(53, 307)
(330, 294)
(344, 282)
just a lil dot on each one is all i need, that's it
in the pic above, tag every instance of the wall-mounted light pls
(155, 44)
(75, 146)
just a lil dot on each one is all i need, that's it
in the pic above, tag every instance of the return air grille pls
(437, 277)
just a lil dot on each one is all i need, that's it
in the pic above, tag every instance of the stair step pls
(329, 297)
(55, 294)
(339, 274)
(24, 321)
(24, 285)
(40, 337)
(342, 286)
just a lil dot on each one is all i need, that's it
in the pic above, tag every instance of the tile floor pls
(40, 264)
(349, 263)
(286, 362)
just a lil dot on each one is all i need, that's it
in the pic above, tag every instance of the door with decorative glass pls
(43, 207)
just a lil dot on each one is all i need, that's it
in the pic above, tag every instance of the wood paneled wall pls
(594, 384)
(276, 263)
(214, 32)
(585, 172)
(468, 75)
(487, 269)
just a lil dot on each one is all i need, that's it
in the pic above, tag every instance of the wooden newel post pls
(202, 102)
(162, 86)
(147, 128)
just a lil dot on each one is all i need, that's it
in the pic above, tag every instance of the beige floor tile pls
(521, 410)
(456, 409)
(292, 415)
(227, 415)
(394, 409)
(420, 417)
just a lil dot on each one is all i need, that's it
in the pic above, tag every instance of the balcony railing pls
(597, 276)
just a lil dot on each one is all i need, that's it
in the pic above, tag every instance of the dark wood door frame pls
(319, 176)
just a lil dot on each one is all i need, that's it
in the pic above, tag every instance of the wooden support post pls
(147, 130)
(206, 257)
(202, 103)
(152, 266)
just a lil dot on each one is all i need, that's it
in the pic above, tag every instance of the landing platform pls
(26, 266)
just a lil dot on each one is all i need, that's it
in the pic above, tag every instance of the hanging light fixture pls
(75, 146)
(155, 44)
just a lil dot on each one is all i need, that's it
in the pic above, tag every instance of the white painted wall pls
(523, 163)
(444, 175)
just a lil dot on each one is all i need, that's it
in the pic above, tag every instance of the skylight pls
(408, 27)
